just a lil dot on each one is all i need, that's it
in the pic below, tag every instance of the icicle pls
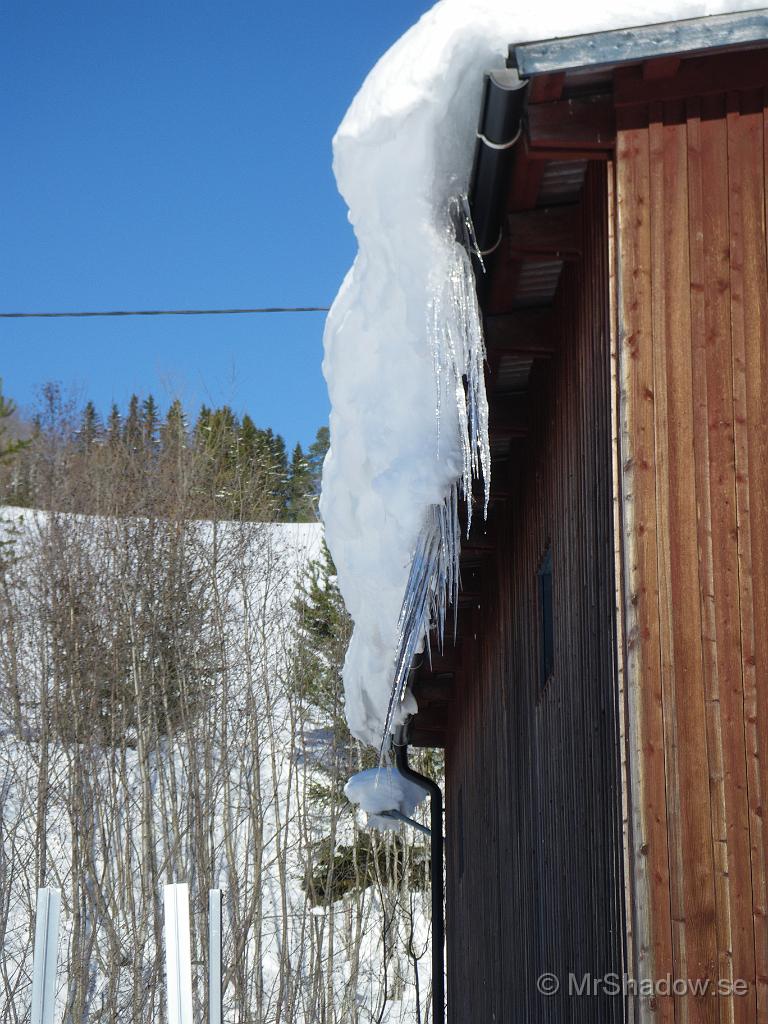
(458, 351)
(433, 584)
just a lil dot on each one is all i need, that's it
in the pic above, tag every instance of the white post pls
(214, 957)
(178, 963)
(45, 955)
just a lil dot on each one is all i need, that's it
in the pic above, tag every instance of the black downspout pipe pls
(499, 129)
(436, 858)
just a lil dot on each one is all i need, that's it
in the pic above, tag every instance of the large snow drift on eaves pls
(402, 151)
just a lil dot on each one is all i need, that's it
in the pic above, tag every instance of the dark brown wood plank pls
(697, 77)
(527, 332)
(437, 687)
(546, 232)
(508, 416)
(585, 124)
(661, 67)
(545, 88)
(425, 738)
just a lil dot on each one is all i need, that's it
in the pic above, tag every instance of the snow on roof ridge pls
(402, 153)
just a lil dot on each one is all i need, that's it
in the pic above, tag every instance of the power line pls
(172, 312)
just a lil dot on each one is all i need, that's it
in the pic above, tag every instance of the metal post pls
(436, 859)
(45, 955)
(178, 961)
(214, 957)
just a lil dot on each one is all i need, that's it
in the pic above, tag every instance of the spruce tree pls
(90, 426)
(150, 419)
(315, 456)
(272, 462)
(132, 431)
(8, 445)
(173, 432)
(324, 629)
(203, 425)
(114, 426)
(301, 496)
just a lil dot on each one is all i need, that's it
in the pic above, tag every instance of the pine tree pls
(203, 424)
(15, 478)
(150, 419)
(132, 431)
(247, 442)
(301, 497)
(335, 867)
(315, 456)
(90, 426)
(272, 464)
(173, 433)
(114, 426)
(324, 629)
(8, 445)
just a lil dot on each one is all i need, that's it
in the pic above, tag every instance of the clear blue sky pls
(173, 155)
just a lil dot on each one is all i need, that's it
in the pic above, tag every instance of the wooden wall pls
(533, 812)
(693, 349)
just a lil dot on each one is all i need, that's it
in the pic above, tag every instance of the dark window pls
(546, 620)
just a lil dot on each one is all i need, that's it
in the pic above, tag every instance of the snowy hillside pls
(152, 730)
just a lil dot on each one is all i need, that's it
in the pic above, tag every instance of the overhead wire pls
(168, 312)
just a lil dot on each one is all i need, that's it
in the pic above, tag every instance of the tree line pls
(221, 466)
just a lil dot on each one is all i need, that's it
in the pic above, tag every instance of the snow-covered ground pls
(401, 331)
(226, 799)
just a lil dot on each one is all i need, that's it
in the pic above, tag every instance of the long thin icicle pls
(458, 351)
(433, 585)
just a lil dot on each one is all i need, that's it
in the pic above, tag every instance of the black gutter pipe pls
(436, 864)
(500, 127)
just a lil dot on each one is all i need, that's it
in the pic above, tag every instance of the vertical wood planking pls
(669, 274)
(538, 769)
(735, 928)
(618, 568)
(650, 856)
(706, 161)
(749, 329)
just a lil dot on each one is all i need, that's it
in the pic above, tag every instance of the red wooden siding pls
(693, 379)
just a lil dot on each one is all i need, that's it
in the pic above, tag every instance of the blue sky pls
(174, 155)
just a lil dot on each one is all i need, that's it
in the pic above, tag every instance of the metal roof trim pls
(712, 33)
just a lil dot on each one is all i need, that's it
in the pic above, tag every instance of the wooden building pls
(604, 712)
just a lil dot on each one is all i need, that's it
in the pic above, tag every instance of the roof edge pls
(710, 34)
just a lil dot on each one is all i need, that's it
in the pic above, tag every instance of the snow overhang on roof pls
(405, 330)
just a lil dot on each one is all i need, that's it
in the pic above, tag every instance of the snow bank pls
(401, 154)
(376, 790)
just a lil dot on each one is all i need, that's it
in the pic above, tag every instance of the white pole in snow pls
(45, 955)
(214, 957)
(178, 965)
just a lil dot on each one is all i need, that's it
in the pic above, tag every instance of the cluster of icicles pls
(458, 349)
